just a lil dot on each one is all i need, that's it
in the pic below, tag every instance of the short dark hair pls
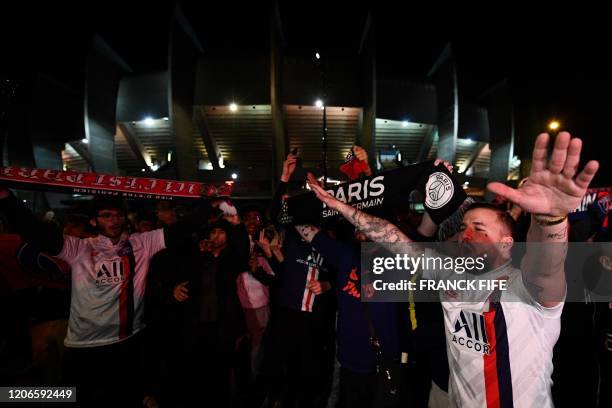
(504, 217)
(223, 225)
(252, 208)
(165, 205)
(100, 203)
(146, 215)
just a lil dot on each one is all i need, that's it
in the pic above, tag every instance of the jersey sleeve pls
(151, 241)
(71, 249)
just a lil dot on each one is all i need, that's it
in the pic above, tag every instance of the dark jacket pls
(302, 263)
(354, 349)
(213, 298)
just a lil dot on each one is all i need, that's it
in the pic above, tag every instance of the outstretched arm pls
(551, 192)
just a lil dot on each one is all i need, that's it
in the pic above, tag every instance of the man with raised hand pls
(302, 321)
(109, 273)
(500, 344)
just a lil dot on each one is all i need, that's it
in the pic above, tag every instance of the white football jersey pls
(108, 285)
(500, 352)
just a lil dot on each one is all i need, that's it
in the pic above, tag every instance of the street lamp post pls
(324, 107)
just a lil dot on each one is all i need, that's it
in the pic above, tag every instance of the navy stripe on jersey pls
(504, 374)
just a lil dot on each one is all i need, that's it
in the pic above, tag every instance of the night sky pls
(556, 60)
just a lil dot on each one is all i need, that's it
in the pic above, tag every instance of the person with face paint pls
(495, 339)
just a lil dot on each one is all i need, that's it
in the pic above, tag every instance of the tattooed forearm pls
(558, 236)
(307, 232)
(543, 264)
(377, 229)
(547, 233)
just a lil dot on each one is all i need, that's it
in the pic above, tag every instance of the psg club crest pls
(439, 190)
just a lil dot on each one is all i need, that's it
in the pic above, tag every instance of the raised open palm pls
(552, 187)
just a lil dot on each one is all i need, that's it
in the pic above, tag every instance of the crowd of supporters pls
(218, 304)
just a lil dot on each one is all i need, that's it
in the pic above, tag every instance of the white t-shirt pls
(499, 355)
(105, 306)
(252, 293)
